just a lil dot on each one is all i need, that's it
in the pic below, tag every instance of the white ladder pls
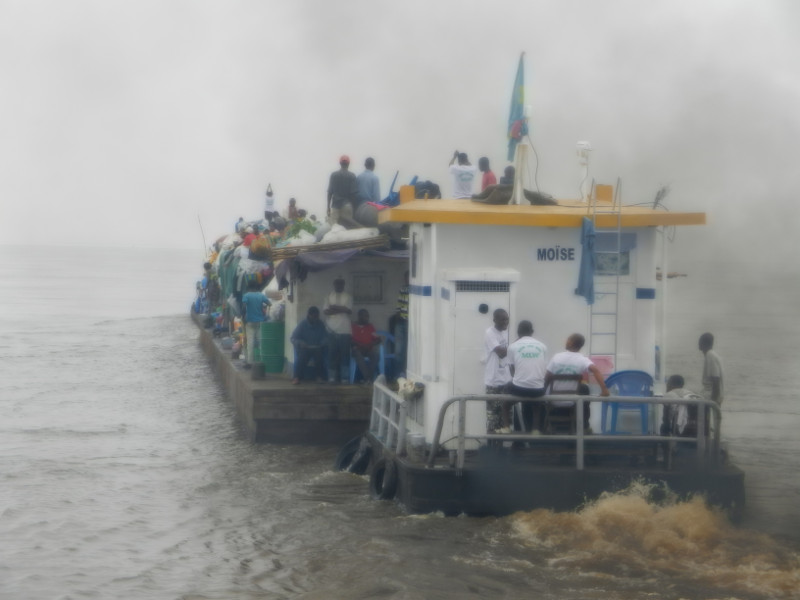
(604, 313)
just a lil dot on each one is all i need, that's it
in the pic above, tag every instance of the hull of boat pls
(500, 482)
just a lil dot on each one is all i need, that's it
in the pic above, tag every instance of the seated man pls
(572, 362)
(364, 345)
(527, 360)
(680, 419)
(310, 339)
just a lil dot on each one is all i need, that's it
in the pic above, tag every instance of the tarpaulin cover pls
(310, 262)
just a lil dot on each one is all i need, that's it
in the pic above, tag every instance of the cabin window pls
(482, 286)
(612, 263)
(613, 252)
(368, 288)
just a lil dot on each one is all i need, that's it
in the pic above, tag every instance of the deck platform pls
(273, 410)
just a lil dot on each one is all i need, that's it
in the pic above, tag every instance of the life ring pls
(383, 479)
(354, 456)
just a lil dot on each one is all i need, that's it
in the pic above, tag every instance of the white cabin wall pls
(545, 293)
(548, 261)
(647, 254)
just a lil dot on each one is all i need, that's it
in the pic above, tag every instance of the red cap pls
(344, 159)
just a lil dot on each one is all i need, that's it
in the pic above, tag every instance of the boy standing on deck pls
(255, 307)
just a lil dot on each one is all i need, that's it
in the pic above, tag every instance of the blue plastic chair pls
(387, 358)
(627, 383)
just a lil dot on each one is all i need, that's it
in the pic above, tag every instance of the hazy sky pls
(121, 122)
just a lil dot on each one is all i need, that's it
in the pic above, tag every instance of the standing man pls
(496, 374)
(572, 362)
(342, 192)
(488, 176)
(269, 204)
(401, 327)
(255, 312)
(527, 359)
(463, 175)
(369, 189)
(337, 310)
(712, 370)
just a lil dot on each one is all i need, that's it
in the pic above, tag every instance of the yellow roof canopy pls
(568, 213)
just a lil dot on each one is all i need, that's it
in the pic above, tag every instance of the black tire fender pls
(383, 479)
(354, 456)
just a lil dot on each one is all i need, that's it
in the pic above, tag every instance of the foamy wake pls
(625, 535)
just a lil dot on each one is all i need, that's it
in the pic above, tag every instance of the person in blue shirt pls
(255, 304)
(369, 189)
(310, 341)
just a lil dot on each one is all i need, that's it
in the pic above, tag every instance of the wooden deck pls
(275, 411)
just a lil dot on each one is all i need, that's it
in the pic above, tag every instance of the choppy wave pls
(625, 536)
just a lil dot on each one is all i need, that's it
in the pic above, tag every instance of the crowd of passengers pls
(522, 368)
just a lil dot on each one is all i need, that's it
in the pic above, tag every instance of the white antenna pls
(584, 148)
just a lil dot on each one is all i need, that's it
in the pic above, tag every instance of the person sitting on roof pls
(508, 176)
(488, 176)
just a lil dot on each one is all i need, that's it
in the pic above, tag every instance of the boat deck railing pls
(389, 424)
(388, 419)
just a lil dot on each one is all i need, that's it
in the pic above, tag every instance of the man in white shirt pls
(527, 359)
(270, 204)
(495, 372)
(572, 362)
(337, 310)
(463, 175)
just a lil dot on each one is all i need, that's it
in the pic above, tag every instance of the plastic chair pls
(560, 414)
(387, 358)
(627, 383)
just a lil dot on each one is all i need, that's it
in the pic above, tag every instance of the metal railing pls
(388, 419)
(388, 423)
(580, 436)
